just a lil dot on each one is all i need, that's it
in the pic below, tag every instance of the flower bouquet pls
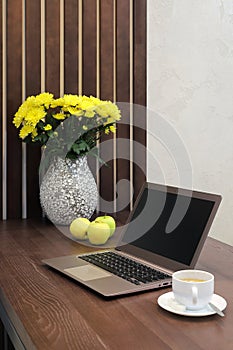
(39, 117)
(68, 128)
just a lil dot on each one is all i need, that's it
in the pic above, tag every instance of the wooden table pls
(41, 309)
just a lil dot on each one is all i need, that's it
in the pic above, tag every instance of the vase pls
(68, 190)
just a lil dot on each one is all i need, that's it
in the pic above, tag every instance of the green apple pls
(78, 228)
(98, 232)
(107, 219)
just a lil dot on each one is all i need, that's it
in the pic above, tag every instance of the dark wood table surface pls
(50, 311)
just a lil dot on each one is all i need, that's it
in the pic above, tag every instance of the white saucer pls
(165, 299)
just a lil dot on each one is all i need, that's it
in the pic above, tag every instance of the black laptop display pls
(181, 243)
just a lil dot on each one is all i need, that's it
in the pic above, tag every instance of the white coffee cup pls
(193, 288)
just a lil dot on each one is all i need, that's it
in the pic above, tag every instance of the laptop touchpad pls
(87, 272)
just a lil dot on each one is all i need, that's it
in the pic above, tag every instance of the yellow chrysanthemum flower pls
(71, 100)
(17, 121)
(34, 115)
(26, 106)
(108, 109)
(89, 113)
(30, 101)
(59, 102)
(102, 111)
(25, 131)
(41, 107)
(45, 99)
(95, 100)
(110, 120)
(75, 111)
(47, 127)
(34, 133)
(86, 104)
(114, 111)
(59, 116)
(112, 129)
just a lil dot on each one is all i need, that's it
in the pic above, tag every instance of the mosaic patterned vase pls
(68, 190)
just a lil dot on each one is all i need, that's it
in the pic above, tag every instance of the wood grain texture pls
(139, 93)
(52, 52)
(1, 52)
(14, 99)
(89, 43)
(71, 46)
(50, 311)
(123, 95)
(71, 77)
(89, 47)
(33, 78)
(107, 93)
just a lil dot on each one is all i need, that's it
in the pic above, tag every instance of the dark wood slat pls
(139, 45)
(140, 20)
(106, 93)
(1, 111)
(89, 47)
(33, 163)
(52, 30)
(14, 99)
(123, 24)
(33, 77)
(89, 57)
(33, 52)
(123, 91)
(106, 49)
(71, 46)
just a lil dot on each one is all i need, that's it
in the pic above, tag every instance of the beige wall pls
(190, 83)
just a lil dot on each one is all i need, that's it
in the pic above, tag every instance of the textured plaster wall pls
(190, 84)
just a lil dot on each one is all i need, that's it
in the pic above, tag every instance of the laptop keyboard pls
(125, 268)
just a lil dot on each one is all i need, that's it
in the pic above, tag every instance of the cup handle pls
(195, 294)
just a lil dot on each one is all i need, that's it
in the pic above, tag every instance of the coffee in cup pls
(193, 288)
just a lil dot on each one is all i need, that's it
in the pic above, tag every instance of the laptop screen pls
(169, 224)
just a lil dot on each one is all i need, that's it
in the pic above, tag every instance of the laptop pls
(164, 233)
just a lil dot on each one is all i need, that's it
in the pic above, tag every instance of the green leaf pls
(75, 148)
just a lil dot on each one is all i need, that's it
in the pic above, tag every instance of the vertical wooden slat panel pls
(62, 47)
(106, 92)
(131, 68)
(71, 46)
(4, 109)
(80, 74)
(1, 113)
(24, 146)
(139, 93)
(80, 46)
(32, 88)
(42, 46)
(52, 32)
(89, 56)
(89, 47)
(123, 92)
(14, 95)
(140, 19)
